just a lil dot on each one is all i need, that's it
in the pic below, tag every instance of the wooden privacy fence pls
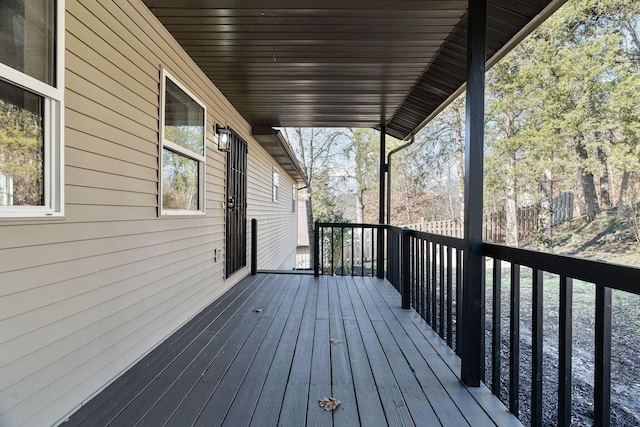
(562, 209)
(494, 228)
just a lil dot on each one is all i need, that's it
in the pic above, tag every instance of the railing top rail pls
(454, 242)
(627, 278)
(350, 225)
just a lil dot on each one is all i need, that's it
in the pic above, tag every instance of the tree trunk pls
(605, 197)
(587, 186)
(310, 229)
(407, 197)
(512, 237)
(459, 157)
(546, 205)
(360, 207)
(621, 216)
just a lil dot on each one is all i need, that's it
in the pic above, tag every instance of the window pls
(31, 108)
(183, 150)
(276, 184)
(294, 197)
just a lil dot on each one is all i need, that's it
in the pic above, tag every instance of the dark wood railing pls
(348, 249)
(604, 278)
(426, 269)
(432, 278)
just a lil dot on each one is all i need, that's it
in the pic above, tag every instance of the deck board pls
(320, 385)
(187, 375)
(234, 366)
(393, 402)
(269, 405)
(296, 396)
(244, 404)
(104, 407)
(341, 376)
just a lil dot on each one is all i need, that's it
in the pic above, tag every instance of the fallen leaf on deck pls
(334, 341)
(329, 403)
(258, 310)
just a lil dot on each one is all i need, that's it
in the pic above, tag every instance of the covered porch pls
(267, 351)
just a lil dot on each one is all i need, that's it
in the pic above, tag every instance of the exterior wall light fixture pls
(224, 137)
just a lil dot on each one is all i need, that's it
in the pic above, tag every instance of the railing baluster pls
(483, 318)
(602, 385)
(406, 269)
(427, 290)
(496, 330)
(449, 299)
(458, 300)
(565, 350)
(434, 286)
(362, 233)
(316, 248)
(537, 338)
(352, 254)
(514, 341)
(322, 252)
(417, 278)
(414, 265)
(392, 254)
(342, 238)
(397, 267)
(442, 292)
(422, 244)
(332, 251)
(373, 257)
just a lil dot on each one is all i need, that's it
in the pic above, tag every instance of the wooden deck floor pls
(266, 352)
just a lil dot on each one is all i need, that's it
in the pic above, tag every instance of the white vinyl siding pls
(277, 225)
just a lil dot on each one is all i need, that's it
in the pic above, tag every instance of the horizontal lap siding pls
(83, 298)
(277, 224)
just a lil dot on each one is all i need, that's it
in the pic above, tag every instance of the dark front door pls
(236, 251)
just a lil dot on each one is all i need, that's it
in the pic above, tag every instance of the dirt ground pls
(625, 393)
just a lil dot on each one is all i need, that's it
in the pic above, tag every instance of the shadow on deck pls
(268, 350)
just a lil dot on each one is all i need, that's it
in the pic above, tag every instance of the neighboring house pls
(139, 220)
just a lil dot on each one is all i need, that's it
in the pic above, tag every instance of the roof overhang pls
(335, 63)
(277, 146)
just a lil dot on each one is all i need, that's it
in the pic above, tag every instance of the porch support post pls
(254, 246)
(316, 248)
(383, 170)
(472, 296)
(381, 211)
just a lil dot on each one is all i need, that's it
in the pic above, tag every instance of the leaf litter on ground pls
(329, 403)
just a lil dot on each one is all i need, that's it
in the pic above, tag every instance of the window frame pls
(275, 184)
(294, 197)
(53, 124)
(180, 150)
